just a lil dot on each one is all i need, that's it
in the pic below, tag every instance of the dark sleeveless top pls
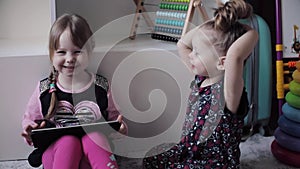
(74, 108)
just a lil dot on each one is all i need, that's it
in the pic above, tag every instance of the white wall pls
(24, 19)
(97, 12)
(23, 61)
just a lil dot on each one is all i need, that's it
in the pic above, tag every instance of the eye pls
(60, 52)
(78, 52)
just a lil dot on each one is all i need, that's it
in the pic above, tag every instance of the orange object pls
(298, 65)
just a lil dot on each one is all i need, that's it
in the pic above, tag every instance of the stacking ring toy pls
(296, 76)
(294, 87)
(287, 141)
(291, 113)
(285, 156)
(292, 99)
(288, 126)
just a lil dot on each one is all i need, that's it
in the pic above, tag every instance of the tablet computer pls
(42, 138)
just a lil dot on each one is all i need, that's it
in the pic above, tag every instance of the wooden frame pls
(140, 10)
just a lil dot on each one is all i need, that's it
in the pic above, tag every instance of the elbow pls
(180, 45)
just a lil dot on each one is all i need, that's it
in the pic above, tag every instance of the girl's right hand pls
(27, 131)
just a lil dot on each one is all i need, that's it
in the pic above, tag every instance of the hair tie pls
(52, 88)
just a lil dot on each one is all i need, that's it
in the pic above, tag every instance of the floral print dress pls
(211, 133)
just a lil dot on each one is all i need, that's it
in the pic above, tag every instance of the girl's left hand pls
(122, 131)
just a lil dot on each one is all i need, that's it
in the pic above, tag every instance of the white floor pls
(256, 154)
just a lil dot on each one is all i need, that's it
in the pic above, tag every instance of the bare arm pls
(184, 51)
(235, 57)
(184, 46)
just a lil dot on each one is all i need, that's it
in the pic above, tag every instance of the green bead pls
(167, 6)
(182, 7)
(171, 6)
(174, 6)
(186, 7)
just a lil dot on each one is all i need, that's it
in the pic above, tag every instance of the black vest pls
(96, 93)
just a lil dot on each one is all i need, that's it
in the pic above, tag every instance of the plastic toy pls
(291, 113)
(287, 141)
(293, 99)
(284, 155)
(290, 127)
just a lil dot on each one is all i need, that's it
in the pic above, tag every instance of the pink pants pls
(70, 152)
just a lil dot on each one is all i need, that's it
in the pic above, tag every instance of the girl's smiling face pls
(69, 59)
(197, 67)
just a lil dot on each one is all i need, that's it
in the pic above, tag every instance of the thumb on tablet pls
(120, 118)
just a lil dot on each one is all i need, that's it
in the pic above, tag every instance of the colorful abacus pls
(170, 20)
(179, 7)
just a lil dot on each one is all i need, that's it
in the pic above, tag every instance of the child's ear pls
(221, 62)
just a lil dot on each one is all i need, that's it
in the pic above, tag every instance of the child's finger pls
(122, 128)
(120, 118)
(43, 124)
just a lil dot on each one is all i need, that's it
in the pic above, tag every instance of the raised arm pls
(184, 51)
(234, 65)
(184, 46)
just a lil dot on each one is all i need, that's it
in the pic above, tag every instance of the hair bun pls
(227, 15)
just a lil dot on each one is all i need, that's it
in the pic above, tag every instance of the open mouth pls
(69, 67)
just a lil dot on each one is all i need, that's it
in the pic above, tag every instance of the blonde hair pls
(81, 36)
(227, 16)
(226, 23)
(53, 102)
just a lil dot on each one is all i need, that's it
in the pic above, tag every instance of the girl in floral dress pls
(215, 52)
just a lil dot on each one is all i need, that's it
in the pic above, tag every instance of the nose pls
(70, 58)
